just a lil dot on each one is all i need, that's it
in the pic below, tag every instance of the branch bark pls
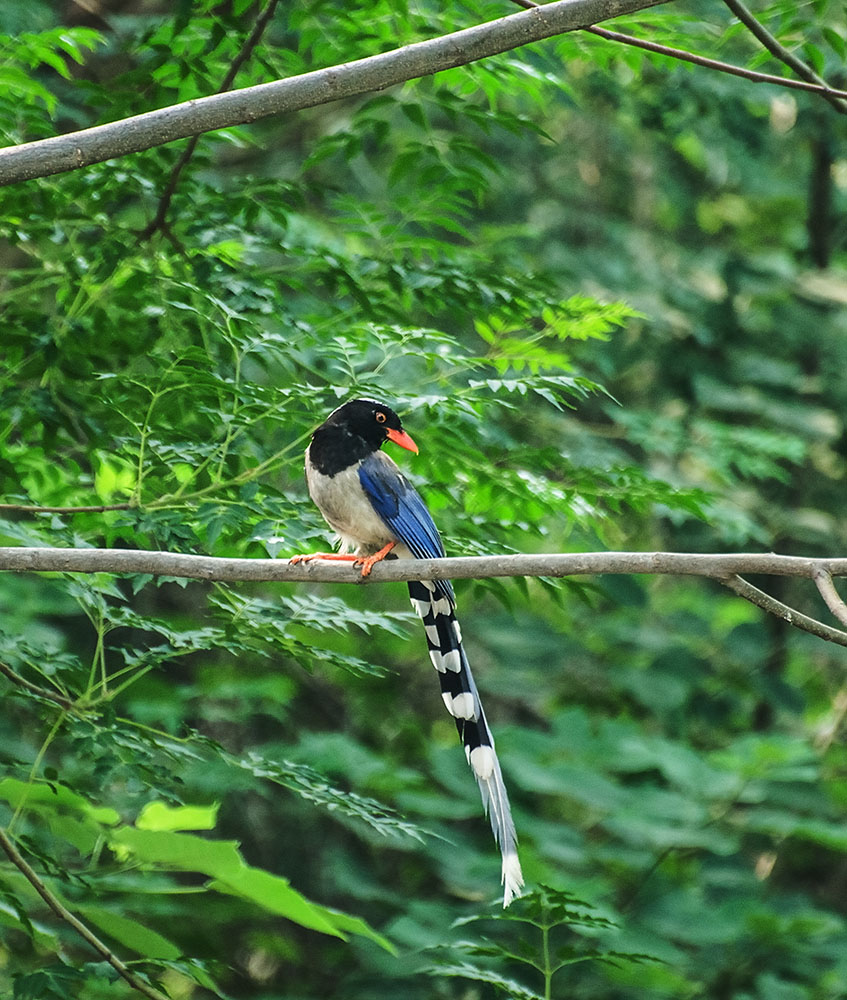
(717, 566)
(29, 508)
(716, 64)
(833, 599)
(722, 67)
(59, 154)
(779, 51)
(726, 568)
(788, 614)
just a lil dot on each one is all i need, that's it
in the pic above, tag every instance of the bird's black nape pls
(353, 431)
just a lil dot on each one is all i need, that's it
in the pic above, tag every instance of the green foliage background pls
(606, 293)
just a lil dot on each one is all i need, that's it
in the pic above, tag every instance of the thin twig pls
(778, 50)
(836, 605)
(26, 508)
(158, 220)
(723, 67)
(22, 682)
(684, 55)
(65, 914)
(774, 607)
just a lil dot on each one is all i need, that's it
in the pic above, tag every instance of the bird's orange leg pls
(369, 562)
(333, 556)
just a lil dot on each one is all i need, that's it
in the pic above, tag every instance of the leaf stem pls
(61, 699)
(36, 765)
(545, 953)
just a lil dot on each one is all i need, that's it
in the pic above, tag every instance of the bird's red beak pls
(401, 438)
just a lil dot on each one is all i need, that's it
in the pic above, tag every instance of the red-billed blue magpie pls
(374, 509)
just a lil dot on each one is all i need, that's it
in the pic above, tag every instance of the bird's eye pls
(380, 417)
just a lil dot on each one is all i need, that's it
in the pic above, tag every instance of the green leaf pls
(223, 864)
(43, 796)
(474, 973)
(12, 911)
(313, 786)
(160, 816)
(130, 933)
(55, 982)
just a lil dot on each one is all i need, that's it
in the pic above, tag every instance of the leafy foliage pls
(587, 277)
(547, 911)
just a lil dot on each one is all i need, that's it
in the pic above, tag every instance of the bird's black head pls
(353, 431)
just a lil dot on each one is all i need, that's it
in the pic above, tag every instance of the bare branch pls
(828, 592)
(239, 107)
(723, 67)
(27, 508)
(821, 87)
(790, 615)
(723, 567)
(134, 561)
(61, 911)
(780, 52)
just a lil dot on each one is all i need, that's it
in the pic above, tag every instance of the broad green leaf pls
(161, 816)
(144, 941)
(223, 864)
(41, 795)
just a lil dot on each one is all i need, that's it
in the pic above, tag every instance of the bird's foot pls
(366, 562)
(369, 562)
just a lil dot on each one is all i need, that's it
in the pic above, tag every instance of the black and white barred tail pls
(435, 604)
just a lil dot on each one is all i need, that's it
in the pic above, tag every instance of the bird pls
(376, 512)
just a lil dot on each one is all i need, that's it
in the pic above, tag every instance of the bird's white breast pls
(345, 506)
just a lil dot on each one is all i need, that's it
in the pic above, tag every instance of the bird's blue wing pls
(399, 504)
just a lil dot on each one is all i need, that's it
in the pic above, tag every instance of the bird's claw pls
(369, 562)
(366, 562)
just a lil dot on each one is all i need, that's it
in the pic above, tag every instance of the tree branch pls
(780, 52)
(718, 566)
(726, 568)
(790, 615)
(27, 508)
(821, 87)
(723, 67)
(61, 911)
(833, 600)
(58, 154)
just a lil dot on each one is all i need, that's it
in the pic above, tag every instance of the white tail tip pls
(512, 878)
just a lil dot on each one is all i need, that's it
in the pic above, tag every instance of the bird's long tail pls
(435, 604)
